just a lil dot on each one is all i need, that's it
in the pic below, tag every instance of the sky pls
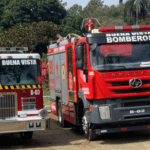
(83, 3)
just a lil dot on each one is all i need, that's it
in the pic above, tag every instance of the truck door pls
(71, 74)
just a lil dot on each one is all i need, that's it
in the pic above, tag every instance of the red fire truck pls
(101, 82)
(44, 71)
(21, 93)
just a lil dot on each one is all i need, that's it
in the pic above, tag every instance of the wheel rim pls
(85, 124)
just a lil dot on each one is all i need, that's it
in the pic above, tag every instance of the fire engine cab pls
(101, 82)
(21, 93)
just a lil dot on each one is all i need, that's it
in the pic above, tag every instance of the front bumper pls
(24, 125)
(119, 113)
(122, 118)
(123, 129)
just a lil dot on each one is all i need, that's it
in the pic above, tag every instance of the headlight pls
(28, 103)
(43, 113)
(104, 112)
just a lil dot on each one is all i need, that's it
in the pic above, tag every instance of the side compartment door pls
(64, 87)
(52, 83)
(57, 75)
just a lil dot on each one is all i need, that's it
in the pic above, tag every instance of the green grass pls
(46, 92)
(46, 101)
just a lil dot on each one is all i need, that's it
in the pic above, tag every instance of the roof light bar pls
(125, 28)
(12, 49)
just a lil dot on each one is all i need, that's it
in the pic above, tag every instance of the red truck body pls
(21, 93)
(102, 81)
(44, 71)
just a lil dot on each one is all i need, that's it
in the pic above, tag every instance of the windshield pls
(120, 56)
(19, 72)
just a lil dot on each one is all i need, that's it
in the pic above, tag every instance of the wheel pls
(26, 135)
(88, 131)
(61, 120)
(91, 135)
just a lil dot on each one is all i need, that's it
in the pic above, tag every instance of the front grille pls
(134, 101)
(8, 105)
(136, 98)
(140, 90)
(117, 84)
(137, 117)
(134, 104)
(126, 83)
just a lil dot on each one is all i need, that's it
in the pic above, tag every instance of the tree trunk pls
(137, 16)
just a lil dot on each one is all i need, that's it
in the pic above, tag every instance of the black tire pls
(26, 135)
(87, 129)
(61, 120)
(91, 135)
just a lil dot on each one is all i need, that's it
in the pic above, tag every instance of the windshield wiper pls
(110, 66)
(132, 65)
(15, 83)
(145, 64)
(93, 47)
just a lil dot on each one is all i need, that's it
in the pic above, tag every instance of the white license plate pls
(138, 111)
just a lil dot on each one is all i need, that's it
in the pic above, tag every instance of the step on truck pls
(21, 93)
(101, 82)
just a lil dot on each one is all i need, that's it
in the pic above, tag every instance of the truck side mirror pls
(79, 64)
(79, 51)
(79, 55)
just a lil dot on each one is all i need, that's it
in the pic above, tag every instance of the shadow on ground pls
(124, 138)
(57, 136)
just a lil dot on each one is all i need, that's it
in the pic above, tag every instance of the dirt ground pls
(68, 139)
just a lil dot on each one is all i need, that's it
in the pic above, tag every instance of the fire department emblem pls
(70, 81)
(51, 67)
(135, 83)
(63, 71)
(57, 67)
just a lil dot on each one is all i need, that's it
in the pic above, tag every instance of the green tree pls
(92, 6)
(64, 4)
(36, 36)
(145, 22)
(23, 12)
(137, 9)
(73, 21)
(75, 10)
(72, 24)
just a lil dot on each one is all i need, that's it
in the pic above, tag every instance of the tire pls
(91, 135)
(87, 129)
(26, 135)
(61, 120)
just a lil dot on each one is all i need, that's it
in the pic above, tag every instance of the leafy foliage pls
(145, 22)
(92, 7)
(45, 57)
(74, 10)
(136, 9)
(71, 24)
(31, 36)
(107, 16)
(23, 12)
